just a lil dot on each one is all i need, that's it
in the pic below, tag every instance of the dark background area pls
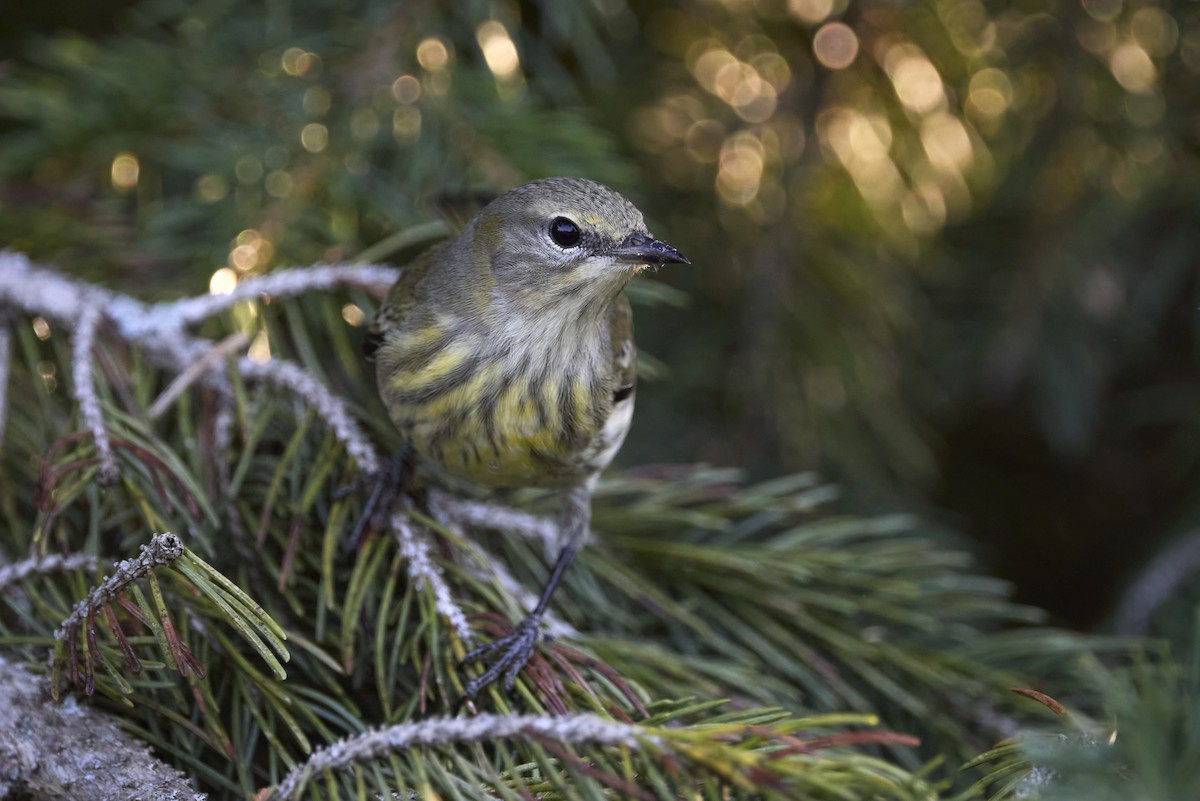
(955, 273)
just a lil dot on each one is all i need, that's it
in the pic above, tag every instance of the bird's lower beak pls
(645, 249)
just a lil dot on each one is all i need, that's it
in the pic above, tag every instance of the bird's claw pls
(516, 650)
(387, 483)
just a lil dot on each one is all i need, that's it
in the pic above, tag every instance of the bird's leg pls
(516, 648)
(387, 483)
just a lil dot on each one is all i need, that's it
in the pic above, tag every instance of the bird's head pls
(563, 238)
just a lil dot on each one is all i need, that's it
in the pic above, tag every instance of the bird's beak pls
(645, 249)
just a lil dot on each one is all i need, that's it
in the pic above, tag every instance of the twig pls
(330, 407)
(572, 729)
(215, 354)
(19, 571)
(5, 359)
(279, 284)
(414, 547)
(478, 514)
(163, 549)
(82, 344)
(161, 329)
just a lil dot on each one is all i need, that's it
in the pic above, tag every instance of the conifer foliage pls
(179, 409)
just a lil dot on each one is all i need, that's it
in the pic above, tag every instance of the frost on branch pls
(567, 729)
(161, 330)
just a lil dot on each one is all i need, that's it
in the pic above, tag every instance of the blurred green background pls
(945, 252)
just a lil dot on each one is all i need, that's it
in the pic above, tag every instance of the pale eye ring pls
(565, 233)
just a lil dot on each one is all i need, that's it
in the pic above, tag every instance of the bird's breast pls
(502, 413)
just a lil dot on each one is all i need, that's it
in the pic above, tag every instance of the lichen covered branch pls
(68, 750)
(52, 563)
(567, 729)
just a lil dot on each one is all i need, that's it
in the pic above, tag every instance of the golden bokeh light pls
(211, 188)
(47, 371)
(251, 249)
(773, 68)
(916, 80)
(736, 82)
(709, 65)
(243, 258)
(279, 183)
(869, 138)
(406, 125)
(1103, 10)
(298, 61)
(406, 89)
(835, 45)
(1155, 31)
(125, 171)
(41, 328)
(223, 281)
(862, 145)
(499, 50)
(353, 315)
(659, 128)
(1132, 67)
(741, 167)
(947, 143)
(811, 11)
(990, 92)
(314, 137)
(248, 169)
(260, 349)
(971, 29)
(432, 53)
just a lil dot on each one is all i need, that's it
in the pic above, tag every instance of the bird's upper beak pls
(645, 249)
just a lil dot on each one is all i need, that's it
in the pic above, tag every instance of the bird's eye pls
(565, 233)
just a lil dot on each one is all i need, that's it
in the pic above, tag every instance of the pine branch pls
(161, 329)
(163, 549)
(20, 571)
(415, 549)
(708, 589)
(479, 514)
(5, 364)
(85, 389)
(570, 729)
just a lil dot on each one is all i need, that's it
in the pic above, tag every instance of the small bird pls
(505, 357)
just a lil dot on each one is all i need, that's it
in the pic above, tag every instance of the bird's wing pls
(400, 299)
(624, 354)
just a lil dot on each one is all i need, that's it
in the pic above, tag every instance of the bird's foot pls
(387, 485)
(515, 650)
